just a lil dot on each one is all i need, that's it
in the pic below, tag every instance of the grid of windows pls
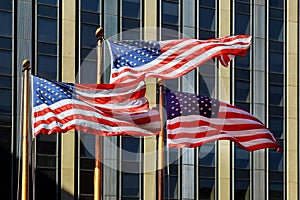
(242, 98)
(131, 19)
(169, 19)
(276, 95)
(207, 87)
(47, 53)
(90, 18)
(6, 153)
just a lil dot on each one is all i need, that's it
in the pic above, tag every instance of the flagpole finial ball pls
(99, 33)
(26, 63)
(160, 81)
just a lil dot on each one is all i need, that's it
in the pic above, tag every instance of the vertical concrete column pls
(68, 75)
(259, 95)
(150, 33)
(292, 129)
(224, 157)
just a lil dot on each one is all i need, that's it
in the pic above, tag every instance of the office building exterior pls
(58, 37)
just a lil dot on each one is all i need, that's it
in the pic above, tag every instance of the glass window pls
(47, 30)
(45, 184)
(276, 30)
(170, 13)
(5, 43)
(207, 172)
(6, 28)
(90, 5)
(87, 163)
(276, 46)
(5, 139)
(47, 67)
(6, 62)
(242, 158)
(46, 144)
(90, 18)
(204, 35)
(276, 95)
(276, 62)
(5, 120)
(46, 161)
(87, 145)
(6, 100)
(276, 111)
(6, 5)
(276, 78)
(130, 184)
(131, 148)
(242, 24)
(206, 188)
(86, 181)
(88, 35)
(171, 187)
(276, 14)
(242, 90)
(242, 189)
(276, 127)
(242, 8)
(242, 74)
(206, 3)
(47, 11)
(207, 19)
(276, 191)
(207, 85)
(243, 105)
(88, 72)
(131, 8)
(276, 3)
(130, 24)
(49, 2)
(242, 61)
(44, 48)
(207, 155)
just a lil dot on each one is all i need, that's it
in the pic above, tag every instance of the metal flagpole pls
(98, 139)
(161, 144)
(25, 164)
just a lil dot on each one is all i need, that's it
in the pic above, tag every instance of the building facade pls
(58, 37)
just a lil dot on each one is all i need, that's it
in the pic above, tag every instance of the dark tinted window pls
(5, 43)
(130, 148)
(47, 30)
(47, 11)
(242, 90)
(131, 8)
(171, 187)
(276, 30)
(242, 25)
(276, 95)
(44, 48)
(90, 18)
(276, 62)
(90, 5)
(49, 2)
(6, 62)
(6, 98)
(276, 127)
(47, 67)
(130, 184)
(6, 5)
(170, 12)
(276, 3)
(88, 35)
(6, 28)
(207, 19)
(206, 188)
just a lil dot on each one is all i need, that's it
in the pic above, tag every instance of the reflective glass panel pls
(6, 5)
(206, 3)
(242, 90)
(170, 12)
(242, 24)
(47, 30)
(276, 62)
(242, 158)
(171, 187)
(6, 62)
(242, 189)
(88, 35)
(90, 18)
(47, 67)
(44, 48)
(90, 5)
(86, 179)
(47, 11)
(276, 30)
(276, 191)
(243, 61)
(276, 3)
(276, 95)
(206, 188)
(207, 19)
(49, 2)
(5, 43)
(130, 148)
(6, 28)
(130, 184)
(6, 101)
(131, 8)
(276, 126)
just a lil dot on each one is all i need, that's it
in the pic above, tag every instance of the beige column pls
(68, 75)
(149, 185)
(292, 100)
(224, 156)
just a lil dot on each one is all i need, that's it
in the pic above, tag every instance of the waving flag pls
(103, 109)
(170, 59)
(195, 120)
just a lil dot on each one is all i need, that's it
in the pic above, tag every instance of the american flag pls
(170, 59)
(101, 109)
(195, 120)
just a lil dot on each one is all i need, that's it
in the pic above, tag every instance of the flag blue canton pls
(48, 92)
(184, 104)
(134, 53)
